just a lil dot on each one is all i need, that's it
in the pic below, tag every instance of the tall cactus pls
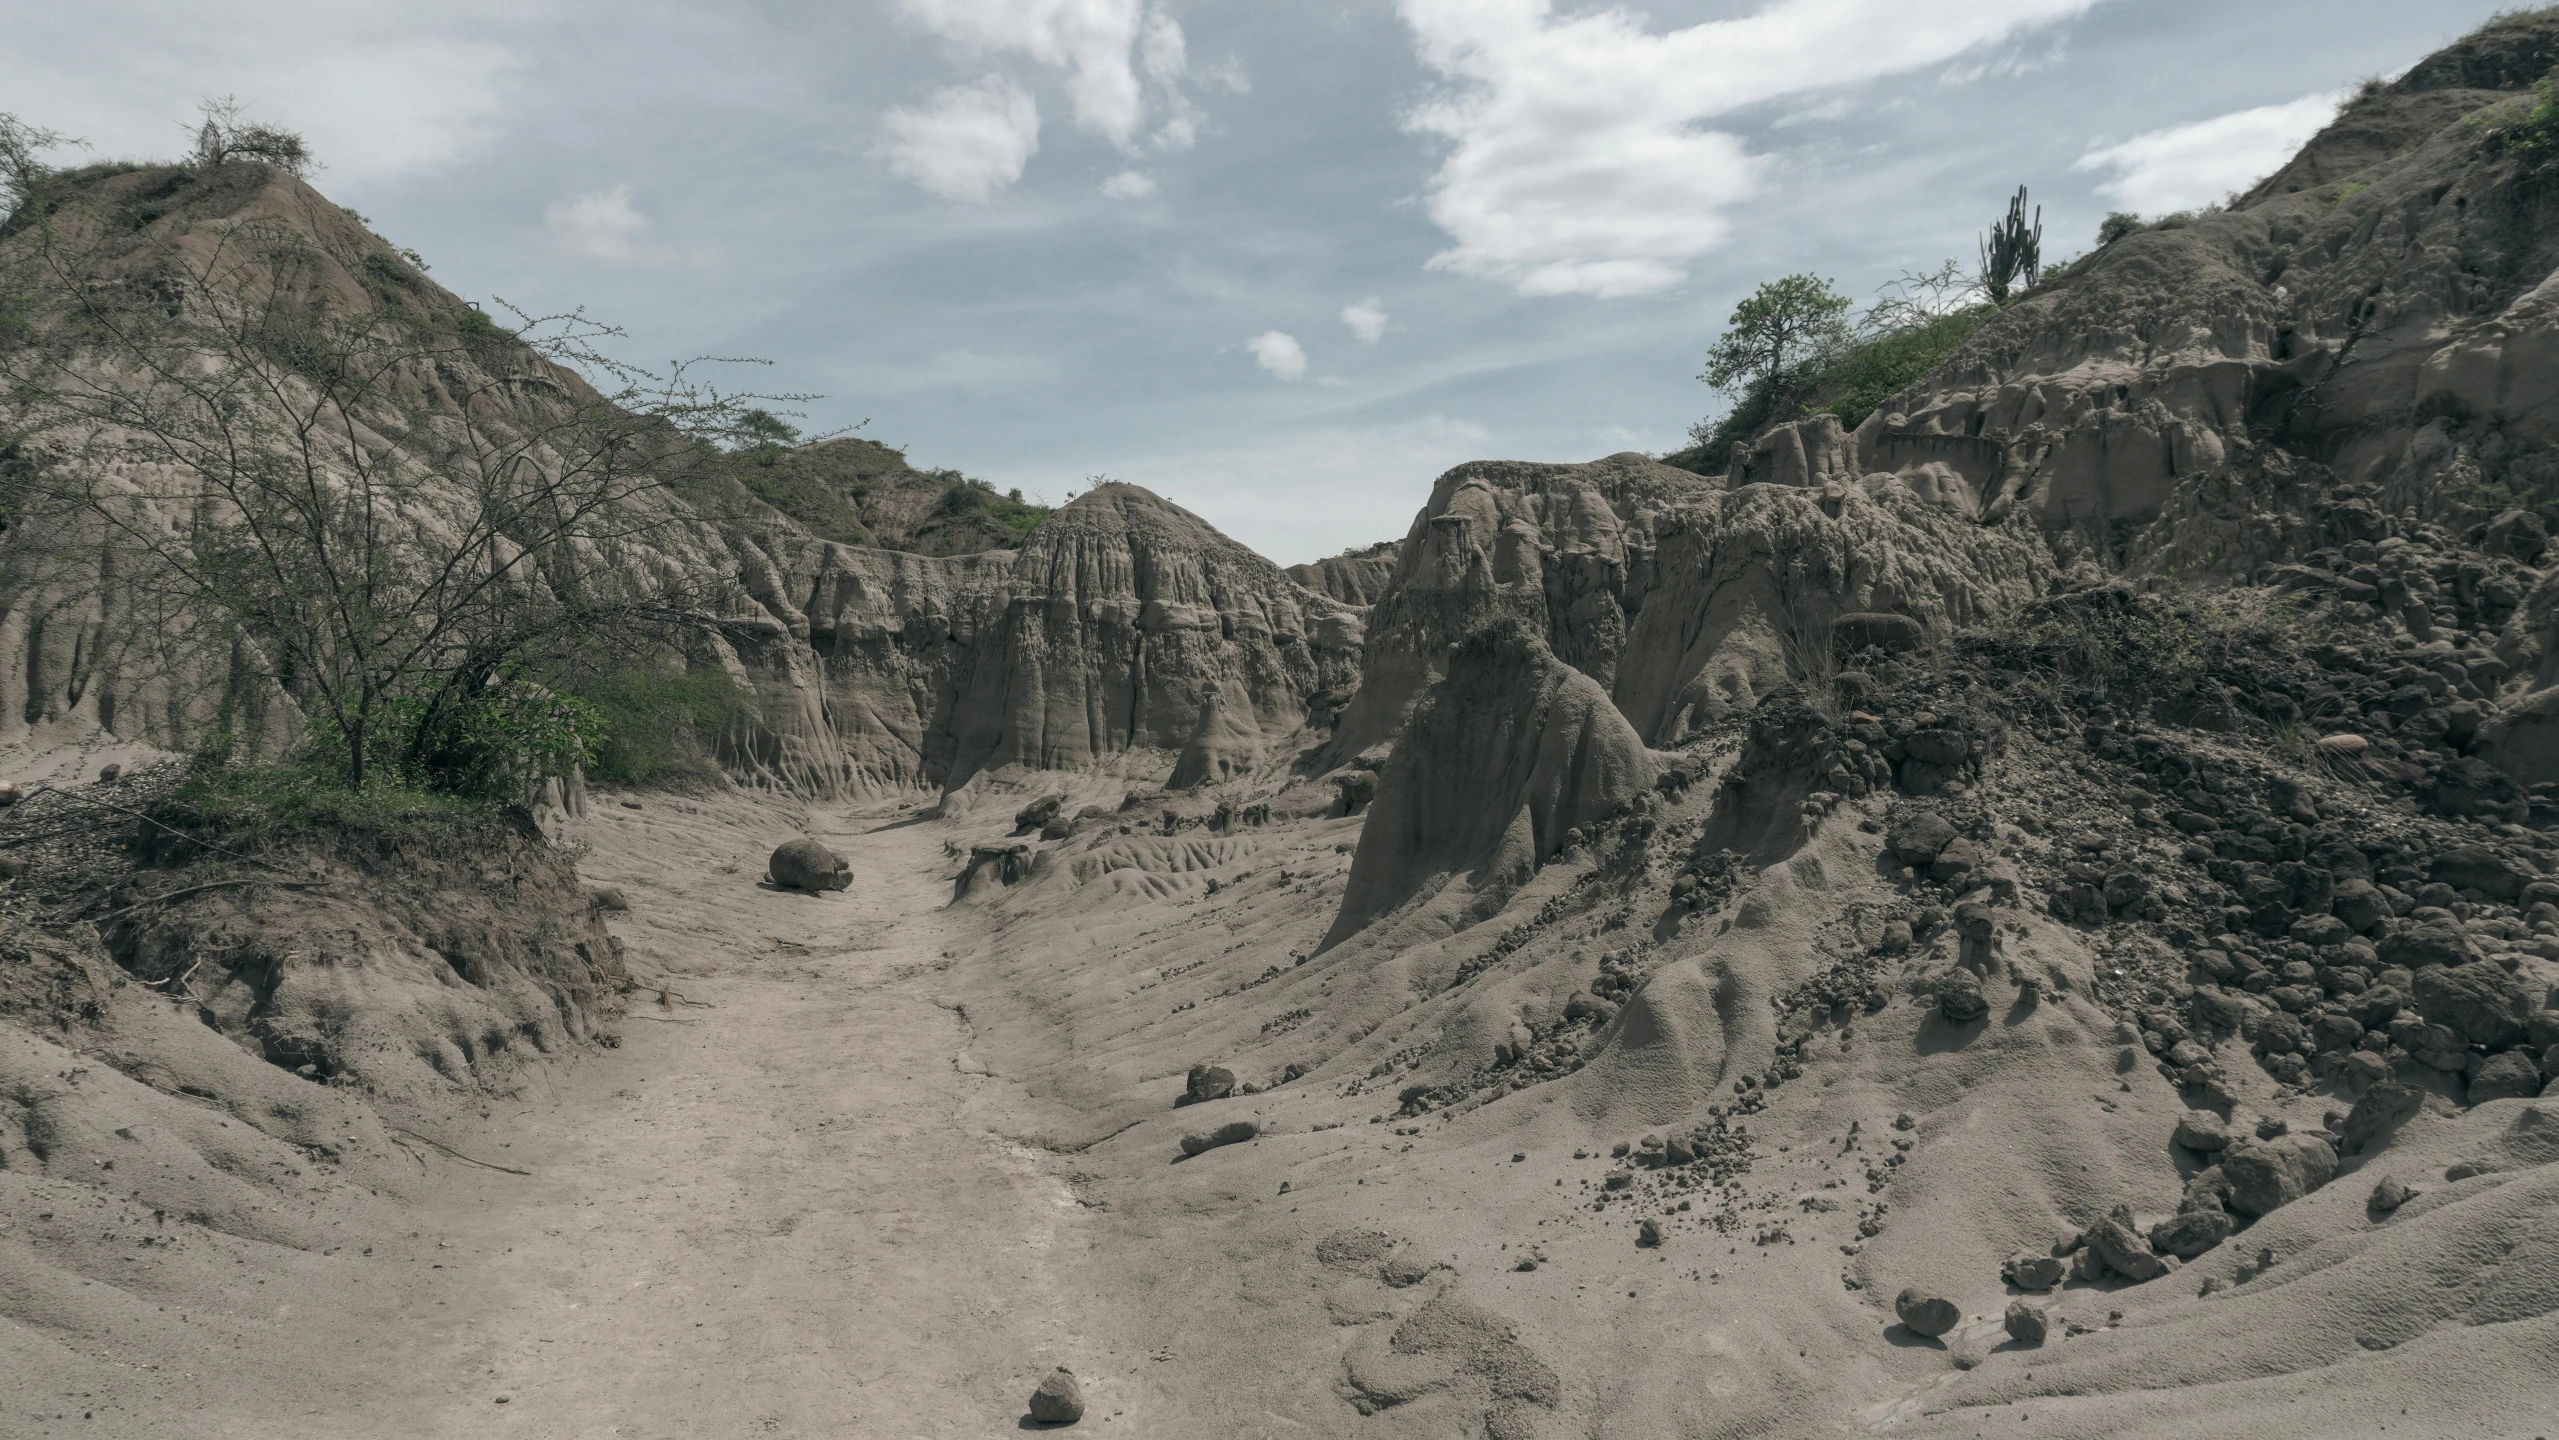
(2013, 249)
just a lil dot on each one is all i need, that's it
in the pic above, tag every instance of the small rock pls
(1959, 997)
(2389, 1193)
(2026, 1323)
(110, 774)
(1975, 921)
(2034, 1272)
(1649, 1234)
(1231, 1133)
(1059, 1400)
(1926, 1314)
(2342, 744)
(607, 900)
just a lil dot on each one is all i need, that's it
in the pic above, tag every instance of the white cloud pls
(2190, 165)
(1167, 58)
(969, 142)
(1129, 185)
(1366, 319)
(1278, 352)
(606, 228)
(1577, 163)
(1092, 39)
(379, 88)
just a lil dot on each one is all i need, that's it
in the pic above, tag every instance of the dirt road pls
(778, 1209)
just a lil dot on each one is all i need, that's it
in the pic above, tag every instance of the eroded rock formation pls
(1508, 754)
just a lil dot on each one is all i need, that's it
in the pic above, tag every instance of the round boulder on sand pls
(1059, 1400)
(804, 864)
(1927, 1314)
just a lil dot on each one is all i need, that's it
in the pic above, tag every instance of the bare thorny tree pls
(371, 496)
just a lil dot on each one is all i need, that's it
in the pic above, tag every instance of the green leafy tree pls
(2117, 225)
(1777, 339)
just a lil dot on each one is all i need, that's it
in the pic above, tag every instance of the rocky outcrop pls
(2378, 312)
(1568, 549)
(1354, 577)
(1508, 754)
(1128, 623)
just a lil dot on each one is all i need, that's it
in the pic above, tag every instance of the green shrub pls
(495, 741)
(244, 806)
(659, 727)
(1874, 370)
(2349, 191)
(2536, 133)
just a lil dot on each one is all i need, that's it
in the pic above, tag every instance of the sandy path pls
(787, 1213)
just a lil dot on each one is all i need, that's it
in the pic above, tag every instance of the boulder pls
(2479, 1000)
(2265, 1175)
(2034, 1272)
(2477, 867)
(2389, 1193)
(2026, 1323)
(1939, 746)
(1207, 1082)
(1233, 1132)
(2190, 1232)
(1959, 997)
(2509, 1076)
(1927, 1314)
(2421, 946)
(1956, 860)
(804, 864)
(1058, 1400)
(1919, 837)
(2360, 904)
(2208, 1190)
(2123, 1248)
(1038, 813)
(2202, 1130)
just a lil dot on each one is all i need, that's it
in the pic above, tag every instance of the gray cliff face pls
(1125, 624)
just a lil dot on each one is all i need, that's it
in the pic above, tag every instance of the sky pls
(1283, 263)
